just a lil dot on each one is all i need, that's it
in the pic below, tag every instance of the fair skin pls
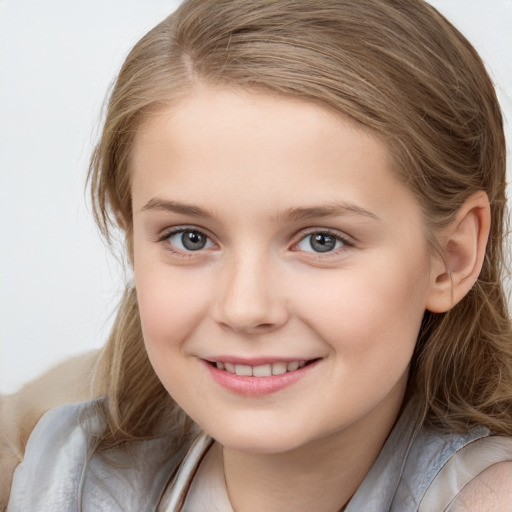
(268, 232)
(491, 491)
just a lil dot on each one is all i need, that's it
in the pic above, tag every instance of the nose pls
(250, 299)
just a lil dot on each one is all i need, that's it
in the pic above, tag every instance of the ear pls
(463, 242)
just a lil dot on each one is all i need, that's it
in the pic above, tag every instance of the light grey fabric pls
(407, 465)
(49, 477)
(58, 476)
(428, 455)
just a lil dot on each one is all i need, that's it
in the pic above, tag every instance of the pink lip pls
(257, 386)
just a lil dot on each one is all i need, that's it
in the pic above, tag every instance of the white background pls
(58, 284)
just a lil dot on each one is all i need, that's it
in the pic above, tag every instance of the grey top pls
(418, 469)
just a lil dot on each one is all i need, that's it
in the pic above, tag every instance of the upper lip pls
(256, 361)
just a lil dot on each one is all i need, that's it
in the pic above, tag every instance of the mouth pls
(262, 370)
(261, 378)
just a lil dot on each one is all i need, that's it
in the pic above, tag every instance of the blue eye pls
(320, 242)
(189, 240)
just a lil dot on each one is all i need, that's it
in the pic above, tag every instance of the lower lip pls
(258, 386)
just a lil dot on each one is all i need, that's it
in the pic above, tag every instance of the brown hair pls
(395, 66)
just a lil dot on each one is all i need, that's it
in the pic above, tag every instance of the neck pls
(321, 475)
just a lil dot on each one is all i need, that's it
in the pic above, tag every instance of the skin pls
(491, 491)
(257, 174)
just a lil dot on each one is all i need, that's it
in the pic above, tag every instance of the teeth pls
(278, 368)
(242, 369)
(264, 370)
(229, 367)
(291, 367)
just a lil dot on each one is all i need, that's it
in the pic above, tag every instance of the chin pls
(259, 440)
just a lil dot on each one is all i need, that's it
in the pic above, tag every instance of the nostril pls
(247, 328)
(264, 326)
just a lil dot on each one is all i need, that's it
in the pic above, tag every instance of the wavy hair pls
(397, 67)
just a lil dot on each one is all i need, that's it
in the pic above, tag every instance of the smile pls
(264, 370)
(259, 379)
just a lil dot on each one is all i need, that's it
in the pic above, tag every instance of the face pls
(281, 268)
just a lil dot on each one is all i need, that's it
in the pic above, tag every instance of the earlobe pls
(463, 243)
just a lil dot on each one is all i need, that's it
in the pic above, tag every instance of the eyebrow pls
(329, 210)
(176, 207)
(291, 214)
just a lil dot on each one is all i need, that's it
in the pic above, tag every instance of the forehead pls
(260, 150)
(232, 113)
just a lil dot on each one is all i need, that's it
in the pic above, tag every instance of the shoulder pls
(490, 491)
(54, 457)
(441, 468)
(65, 429)
(476, 477)
(20, 412)
(61, 467)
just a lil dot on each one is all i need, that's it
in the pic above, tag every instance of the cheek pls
(369, 310)
(169, 303)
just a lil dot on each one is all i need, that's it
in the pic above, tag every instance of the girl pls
(312, 196)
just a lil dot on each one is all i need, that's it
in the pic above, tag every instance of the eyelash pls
(166, 236)
(346, 243)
